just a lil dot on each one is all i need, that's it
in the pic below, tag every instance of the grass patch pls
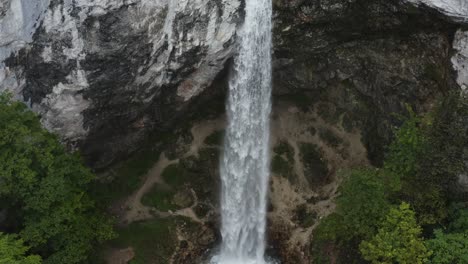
(153, 241)
(161, 198)
(282, 167)
(215, 139)
(283, 148)
(124, 178)
(175, 175)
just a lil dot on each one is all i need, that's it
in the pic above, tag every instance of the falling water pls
(245, 163)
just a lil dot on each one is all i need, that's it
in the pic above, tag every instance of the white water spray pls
(245, 163)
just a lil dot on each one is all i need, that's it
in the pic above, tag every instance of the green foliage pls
(451, 245)
(47, 187)
(282, 167)
(398, 240)
(161, 198)
(153, 241)
(458, 217)
(175, 175)
(420, 169)
(284, 149)
(125, 178)
(364, 202)
(409, 144)
(428, 155)
(448, 248)
(13, 251)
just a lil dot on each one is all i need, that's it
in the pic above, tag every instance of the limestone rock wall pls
(103, 73)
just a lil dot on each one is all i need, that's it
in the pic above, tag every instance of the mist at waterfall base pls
(245, 163)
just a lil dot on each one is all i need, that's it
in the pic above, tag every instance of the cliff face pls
(103, 74)
(358, 61)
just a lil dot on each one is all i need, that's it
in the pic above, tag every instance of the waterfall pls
(245, 163)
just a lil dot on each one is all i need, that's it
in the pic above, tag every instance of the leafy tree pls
(448, 248)
(458, 217)
(363, 202)
(451, 246)
(398, 240)
(46, 188)
(13, 251)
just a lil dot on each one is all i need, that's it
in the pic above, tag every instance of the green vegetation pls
(282, 167)
(153, 241)
(45, 190)
(161, 198)
(283, 148)
(175, 175)
(448, 248)
(13, 251)
(398, 239)
(381, 212)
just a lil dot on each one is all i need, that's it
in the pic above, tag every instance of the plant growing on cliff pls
(45, 189)
(427, 154)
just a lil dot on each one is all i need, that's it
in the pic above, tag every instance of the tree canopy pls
(398, 240)
(45, 188)
(13, 251)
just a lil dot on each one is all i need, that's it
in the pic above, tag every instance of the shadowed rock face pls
(360, 61)
(103, 74)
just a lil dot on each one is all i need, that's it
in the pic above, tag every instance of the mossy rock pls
(315, 165)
